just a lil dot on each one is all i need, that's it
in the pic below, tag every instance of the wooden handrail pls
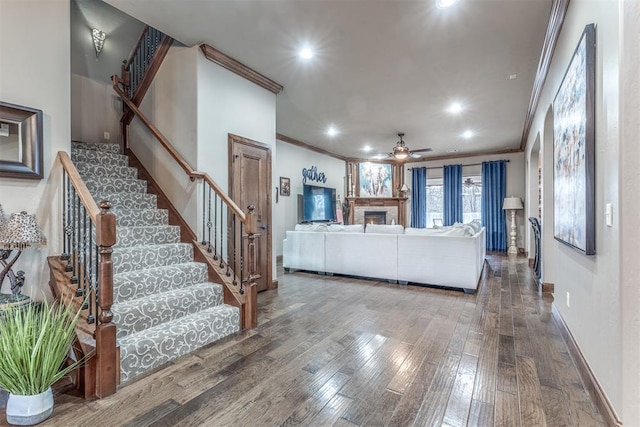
(136, 46)
(191, 173)
(83, 192)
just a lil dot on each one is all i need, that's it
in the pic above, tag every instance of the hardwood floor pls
(342, 351)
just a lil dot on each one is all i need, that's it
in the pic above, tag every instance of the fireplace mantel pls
(378, 202)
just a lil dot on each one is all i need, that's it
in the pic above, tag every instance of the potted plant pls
(34, 344)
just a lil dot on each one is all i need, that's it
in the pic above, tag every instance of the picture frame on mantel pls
(20, 142)
(375, 180)
(574, 149)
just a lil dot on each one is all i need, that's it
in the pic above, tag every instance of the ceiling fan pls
(402, 152)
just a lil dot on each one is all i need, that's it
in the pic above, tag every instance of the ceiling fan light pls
(443, 4)
(401, 153)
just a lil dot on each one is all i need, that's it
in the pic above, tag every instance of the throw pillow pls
(384, 229)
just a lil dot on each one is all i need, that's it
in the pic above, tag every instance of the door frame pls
(232, 141)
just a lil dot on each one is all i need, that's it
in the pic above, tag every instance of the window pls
(471, 199)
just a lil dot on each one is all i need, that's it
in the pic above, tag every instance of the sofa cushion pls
(475, 224)
(353, 228)
(384, 229)
(460, 230)
(311, 227)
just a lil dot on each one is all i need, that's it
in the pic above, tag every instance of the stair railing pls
(89, 233)
(139, 69)
(228, 234)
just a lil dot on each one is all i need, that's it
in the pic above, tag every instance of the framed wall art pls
(285, 186)
(375, 180)
(20, 142)
(574, 149)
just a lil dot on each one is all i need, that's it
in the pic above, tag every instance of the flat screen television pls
(318, 203)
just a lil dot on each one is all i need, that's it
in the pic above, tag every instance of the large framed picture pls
(574, 149)
(375, 180)
(20, 142)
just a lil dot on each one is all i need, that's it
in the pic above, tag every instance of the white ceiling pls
(381, 66)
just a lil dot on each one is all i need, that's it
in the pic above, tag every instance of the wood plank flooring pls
(337, 351)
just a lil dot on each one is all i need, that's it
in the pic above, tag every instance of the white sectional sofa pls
(451, 256)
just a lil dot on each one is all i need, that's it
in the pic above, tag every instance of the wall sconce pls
(98, 37)
(18, 233)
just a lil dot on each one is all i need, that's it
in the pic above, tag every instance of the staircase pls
(163, 304)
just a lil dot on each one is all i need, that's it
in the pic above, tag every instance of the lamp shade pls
(404, 188)
(21, 231)
(512, 203)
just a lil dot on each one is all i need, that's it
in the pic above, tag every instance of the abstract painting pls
(374, 180)
(574, 150)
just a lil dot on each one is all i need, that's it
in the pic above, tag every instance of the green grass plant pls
(34, 344)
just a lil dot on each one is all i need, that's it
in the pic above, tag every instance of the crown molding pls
(298, 143)
(556, 19)
(225, 61)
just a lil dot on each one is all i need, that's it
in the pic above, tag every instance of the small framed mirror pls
(20, 142)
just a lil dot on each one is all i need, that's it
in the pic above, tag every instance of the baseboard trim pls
(588, 378)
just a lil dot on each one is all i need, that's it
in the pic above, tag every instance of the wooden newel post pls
(106, 355)
(251, 292)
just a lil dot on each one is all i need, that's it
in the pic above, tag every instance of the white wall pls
(35, 35)
(291, 160)
(95, 109)
(593, 281)
(230, 104)
(171, 105)
(515, 180)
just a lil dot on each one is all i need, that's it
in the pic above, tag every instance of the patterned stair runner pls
(164, 306)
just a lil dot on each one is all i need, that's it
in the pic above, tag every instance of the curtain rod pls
(470, 164)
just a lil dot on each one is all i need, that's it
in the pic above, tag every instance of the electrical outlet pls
(107, 135)
(568, 300)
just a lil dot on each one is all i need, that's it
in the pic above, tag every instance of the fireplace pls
(375, 217)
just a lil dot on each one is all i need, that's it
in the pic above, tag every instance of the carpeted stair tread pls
(141, 257)
(90, 170)
(140, 217)
(138, 284)
(96, 146)
(99, 157)
(115, 185)
(136, 315)
(127, 201)
(148, 349)
(146, 235)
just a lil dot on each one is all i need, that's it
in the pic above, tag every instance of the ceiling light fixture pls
(306, 53)
(455, 108)
(332, 131)
(401, 151)
(467, 134)
(443, 4)
(367, 148)
(98, 37)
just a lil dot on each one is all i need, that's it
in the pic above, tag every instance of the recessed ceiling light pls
(367, 148)
(467, 134)
(305, 53)
(443, 4)
(332, 131)
(455, 108)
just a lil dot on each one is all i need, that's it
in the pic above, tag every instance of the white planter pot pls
(29, 410)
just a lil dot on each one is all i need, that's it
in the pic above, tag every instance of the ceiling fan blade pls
(422, 150)
(414, 155)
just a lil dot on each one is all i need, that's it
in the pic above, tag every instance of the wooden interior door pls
(250, 184)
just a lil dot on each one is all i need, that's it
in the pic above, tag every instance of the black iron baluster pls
(228, 240)
(242, 253)
(96, 281)
(234, 239)
(215, 229)
(65, 254)
(85, 304)
(204, 190)
(221, 232)
(209, 224)
(74, 253)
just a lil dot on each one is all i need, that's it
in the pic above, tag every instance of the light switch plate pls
(608, 215)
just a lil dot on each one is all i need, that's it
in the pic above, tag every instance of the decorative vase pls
(29, 410)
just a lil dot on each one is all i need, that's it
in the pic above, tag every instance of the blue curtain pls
(494, 189)
(419, 197)
(452, 188)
